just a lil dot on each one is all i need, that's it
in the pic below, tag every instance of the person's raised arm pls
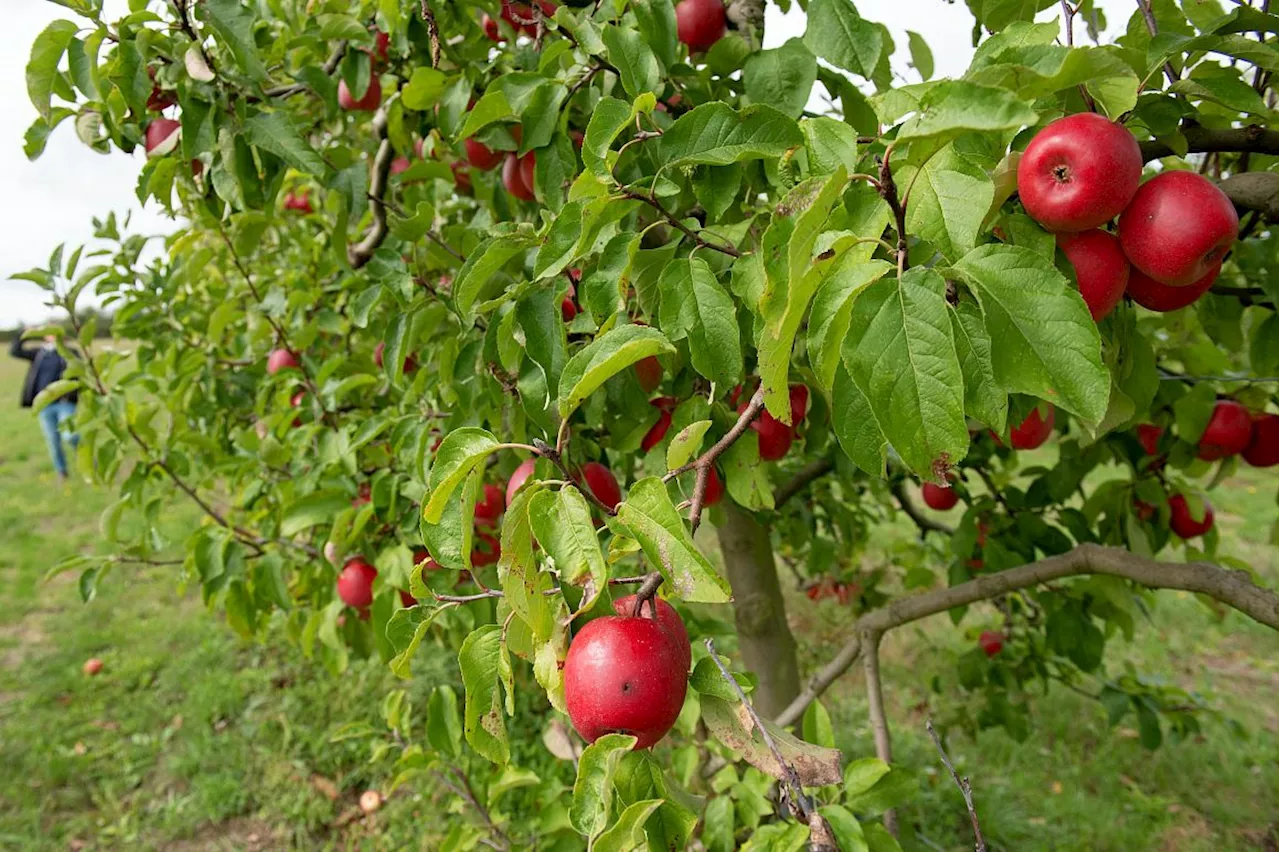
(17, 350)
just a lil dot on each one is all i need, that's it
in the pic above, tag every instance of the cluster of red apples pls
(1081, 172)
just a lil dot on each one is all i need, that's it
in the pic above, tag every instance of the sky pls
(55, 198)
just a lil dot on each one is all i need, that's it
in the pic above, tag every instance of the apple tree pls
(481, 326)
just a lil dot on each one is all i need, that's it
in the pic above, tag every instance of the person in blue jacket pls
(46, 368)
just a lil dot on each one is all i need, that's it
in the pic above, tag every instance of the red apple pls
(1181, 522)
(487, 551)
(1228, 432)
(490, 27)
(774, 436)
(799, 395)
(625, 674)
(1101, 269)
(714, 490)
(1149, 436)
(1154, 296)
(991, 642)
(1033, 431)
(364, 496)
(940, 497)
(668, 619)
(518, 477)
(161, 136)
(512, 179)
(406, 599)
(657, 432)
(649, 372)
(602, 483)
(491, 506)
(699, 23)
(93, 665)
(410, 363)
(568, 310)
(280, 359)
(527, 165)
(480, 156)
(1178, 227)
(299, 202)
(1264, 441)
(368, 103)
(1079, 172)
(160, 99)
(355, 583)
(400, 165)
(381, 46)
(461, 177)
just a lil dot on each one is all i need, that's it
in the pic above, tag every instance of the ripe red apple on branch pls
(1178, 228)
(1102, 271)
(1228, 431)
(939, 497)
(490, 506)
(355, 583)
(991, 642)
(368, 102)
(1264, 441)
(1079, 172)
(1183, 523)
(700, 23)
(281, 359)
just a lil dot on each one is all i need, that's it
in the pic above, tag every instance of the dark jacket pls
(46, 368)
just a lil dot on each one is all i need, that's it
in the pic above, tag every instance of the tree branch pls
(966, 790)
(330, 65)
(678, 225)
(875, 712)
(358, 255)
(1233, 588)
(703, 463)
(1201, 140)
(889, 192)
(1254, 191)
(815, 469)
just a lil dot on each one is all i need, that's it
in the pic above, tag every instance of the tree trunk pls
(765, 640)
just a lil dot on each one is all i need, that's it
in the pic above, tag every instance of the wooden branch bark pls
(815, 469)
(359, 254)
(1254, 191)
(1201, 140)
(1233, 588)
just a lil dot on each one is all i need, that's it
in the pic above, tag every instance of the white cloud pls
(53, 199)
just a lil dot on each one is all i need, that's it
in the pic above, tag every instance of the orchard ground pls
(190, 738)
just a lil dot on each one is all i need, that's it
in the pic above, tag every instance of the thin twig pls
(678, 225)
(704, 463)
(979, 844)
(889, 192)
(433, 33)
(815, 469)
(1149, 17)
(875, 711)
(546, 451)
(645, 594)
(330, 65)
(359, 254)
(1068, 18)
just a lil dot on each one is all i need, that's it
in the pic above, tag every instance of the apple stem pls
(966, 790)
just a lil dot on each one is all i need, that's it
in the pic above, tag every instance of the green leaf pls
(695, 306)
(995, 15)
(1039, 70)
(561, 521)
(856, 429)
(716, 134)
(950, 197)
(53, 392)
(746, 480)
(983, 398)
(863, 774)
(603, 358)
(444, 728)
(716, 188)
(1192, 412)
(1228, 90)
(731, 724)
(628, 832)
(474, 282)
(461, 451)
(921, 55)
(523, 584)
(657, 21)
(845, 826)
(42, 66)
(955, 107)
(424, 88)
(481, 659)
(649, 516)
(901, 354)
(1045, 343)
(782, 77)
(686, 444)
(838, 34)
(896, 787)
(405, 632)
(830, 144)
(816, 726)
(638, 68)
(545, 341)
(234, 24)
(593, 788)
(832, 309)
(312, 509)
(609, 118)
(274, 132)
(557, 249)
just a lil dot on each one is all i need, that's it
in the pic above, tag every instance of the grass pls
(191, 738)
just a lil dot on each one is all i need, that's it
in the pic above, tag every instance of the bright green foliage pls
(703, 233)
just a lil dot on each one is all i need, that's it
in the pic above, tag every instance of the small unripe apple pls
(1228, 432)
(1162, 298)
(991, 642)
(668, 619)
(1079, 172)
(1149, 436)
(602, 483)
(92, 666)
(480, 156)
(1264, 441)
(1181, 522)
(355, 583)
(1033, 431)
(490, 505)
(1178, 227)
(519, 477)
(714, 491)
(161, 136)
(513, 180)
(1102, 271)
(649, 372)
(774, 436)
(367, 103)
(487, 550)
(657, 432)
(280, 359)
(628, 675)
(700, 23)
(939, 497)
(490, 27)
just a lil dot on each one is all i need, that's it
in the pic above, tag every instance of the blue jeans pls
(51, 418)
